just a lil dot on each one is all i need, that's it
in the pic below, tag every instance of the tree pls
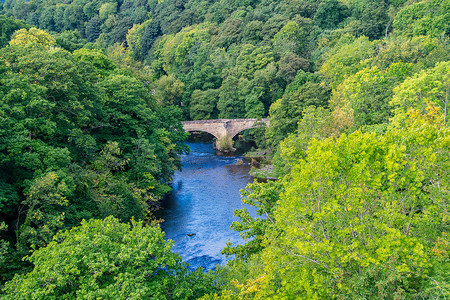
(373, 19)
(356, 211)
(421, 51)
(264, 197)
(203, 104)
(106, 258)
(168, 90)
(23, 37)
(229, 104)
(252, 31)
(74, 17)
(346, 59)
(21, 9)
(365, 96)
(290, 38)
(46, 198)
(107, 9)
(8, 27)
(97, 58)
(423, 91)
(354, 219)
(78, 139)
(316, 123)
(229, 33)
(46, 20)
(330, 13)
(306, 89)
(289, 64)
(173, 51)
(93, 30)
(70, 40)
(151, 32)
(428, 17)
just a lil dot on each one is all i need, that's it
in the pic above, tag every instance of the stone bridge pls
(220, 128)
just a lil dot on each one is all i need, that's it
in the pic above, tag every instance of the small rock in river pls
(239, 162)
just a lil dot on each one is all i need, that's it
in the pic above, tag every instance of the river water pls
(204, 195)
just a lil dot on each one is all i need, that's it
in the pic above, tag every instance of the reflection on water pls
(204, 196)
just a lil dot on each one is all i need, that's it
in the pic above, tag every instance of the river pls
(204, 195)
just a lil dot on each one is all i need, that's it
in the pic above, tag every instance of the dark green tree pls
(7, 28)
(330, 13)
(307, 89)
(93, 29)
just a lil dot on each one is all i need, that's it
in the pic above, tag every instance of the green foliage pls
(365, 96)
(8, 27)
(45, 199)
(23, 37)
(330, 13)
(346, 59)
(361, 209)
(93, 30)
(203, 104)
(424, 91)
(87, 133)
(229, 104)
(307, 89)
(106, 258)
(264, 197)
(373, 18)
(97, 58)
(316, 123)
(4, 249)
(224, 143)
(421, 51)
(211, 46)
(360, 216)
(70, 40)
(168, 90)
(290, 38)
(79, 138)
(428, 17)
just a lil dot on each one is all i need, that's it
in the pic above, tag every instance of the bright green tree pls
(23, 37)
(356, 215)
(79, 138)
(360, 216)
(365, 96)
(427, 17)
(346, 59)
(106, 258)
(422, 91)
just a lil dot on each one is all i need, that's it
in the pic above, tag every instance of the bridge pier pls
(225, 144)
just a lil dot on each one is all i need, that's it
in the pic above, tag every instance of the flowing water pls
(199, 211)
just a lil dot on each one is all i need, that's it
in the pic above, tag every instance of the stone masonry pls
(220, 128)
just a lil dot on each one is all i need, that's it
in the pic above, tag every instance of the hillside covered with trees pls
(91, 98)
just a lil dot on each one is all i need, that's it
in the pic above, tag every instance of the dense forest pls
(92, 95)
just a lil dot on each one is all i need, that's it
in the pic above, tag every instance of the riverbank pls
(261, 164)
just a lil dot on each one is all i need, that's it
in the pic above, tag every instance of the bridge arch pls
(235, 131)
(202, 130)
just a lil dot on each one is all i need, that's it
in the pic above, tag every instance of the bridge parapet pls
(224, 121)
